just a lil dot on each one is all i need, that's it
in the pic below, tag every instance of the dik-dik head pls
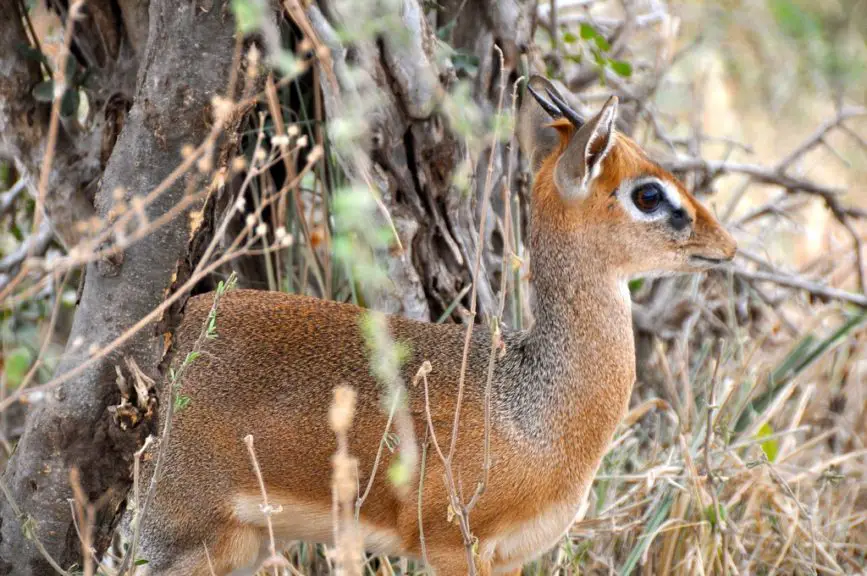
(598, 187)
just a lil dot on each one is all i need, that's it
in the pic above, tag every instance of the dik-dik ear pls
(581, 162)
(535, 135)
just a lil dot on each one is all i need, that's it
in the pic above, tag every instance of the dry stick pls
(496, 338)
(59, 87)
(141, 509)
(344, 486)
(23, 518)
(76, 524)
(7, 199)
(486, 195)
(708, 443)
(801, 284)
(456, 507)
(791, 494)
(52, 322)
(817, 138)
(85, 513)
(420, 499)
(382, 442)
(274, 561)
(859, 251)
(122, 221)
(277, 115)
(208, 554)
(194, 278)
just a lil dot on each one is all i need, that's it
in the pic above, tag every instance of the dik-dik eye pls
(647, 197)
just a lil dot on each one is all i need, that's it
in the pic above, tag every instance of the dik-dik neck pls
(579, 355)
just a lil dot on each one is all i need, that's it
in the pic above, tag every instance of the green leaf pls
(140, 562)
(31, 53)
(69, 103)
(621, 68)
(443, 32)
(659, 516)
(714, 517)
(181, 402)
(16, 365)
(569, 38)
(769, 447)
(466, 63)
(602, 43)
(588, 32)
(249, 15)
(635, 285)
(398, 473)
(44, 91)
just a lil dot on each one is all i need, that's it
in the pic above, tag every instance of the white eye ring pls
(667, 193)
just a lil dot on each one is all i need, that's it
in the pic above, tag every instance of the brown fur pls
(559, 391)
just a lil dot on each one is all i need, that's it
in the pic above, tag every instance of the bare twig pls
(817, 137)
(35, 245)
(347, 540)
(496, 323)
(29, 527)
(7, 199)
(758, 173)
(59, 80)
(382, 443)
(170, 392)
(801, 284)
(275, 561)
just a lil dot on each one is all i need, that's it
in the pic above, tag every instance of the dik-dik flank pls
(602, 211)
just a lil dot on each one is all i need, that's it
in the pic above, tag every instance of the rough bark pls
(186, 62)
(414, 154)
(82, 148)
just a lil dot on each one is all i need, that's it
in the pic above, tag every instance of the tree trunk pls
(186, 62)
(415, 156)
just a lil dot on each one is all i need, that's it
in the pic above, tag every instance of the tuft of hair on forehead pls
(565, 129)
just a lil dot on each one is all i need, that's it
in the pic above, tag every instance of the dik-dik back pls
(602, 211)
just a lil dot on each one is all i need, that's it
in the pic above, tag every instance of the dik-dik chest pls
(548, 521)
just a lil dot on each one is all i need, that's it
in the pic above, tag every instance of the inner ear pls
(582, 159)
(595, 150)
(603, 135)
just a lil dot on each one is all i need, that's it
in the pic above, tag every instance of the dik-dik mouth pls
(700, 261)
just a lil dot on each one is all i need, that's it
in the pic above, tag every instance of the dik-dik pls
(602, 212)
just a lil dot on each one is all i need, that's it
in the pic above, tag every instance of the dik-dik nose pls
(730, 245)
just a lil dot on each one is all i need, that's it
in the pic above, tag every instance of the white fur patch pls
(313, 522)
(531, 538)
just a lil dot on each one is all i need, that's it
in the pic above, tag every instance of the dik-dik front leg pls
(454, 563)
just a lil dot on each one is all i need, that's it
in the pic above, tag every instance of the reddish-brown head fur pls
(598, 188)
